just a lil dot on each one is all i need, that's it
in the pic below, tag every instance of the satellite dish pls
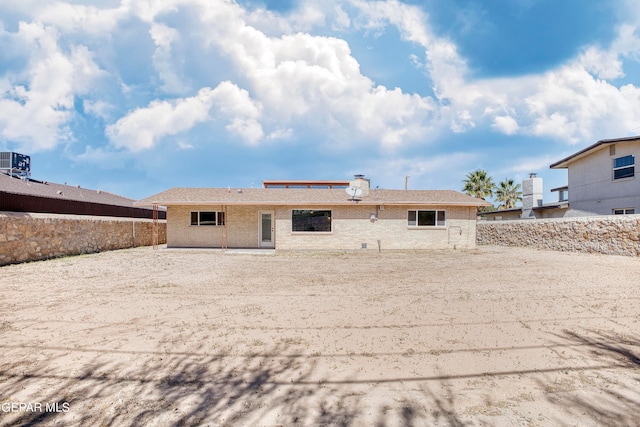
(353, 192)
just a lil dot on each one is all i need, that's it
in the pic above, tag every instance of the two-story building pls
(602, 178)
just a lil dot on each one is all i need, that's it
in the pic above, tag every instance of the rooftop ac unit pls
(15, 162)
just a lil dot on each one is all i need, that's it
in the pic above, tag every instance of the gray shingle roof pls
(60, 191)
(304, 196)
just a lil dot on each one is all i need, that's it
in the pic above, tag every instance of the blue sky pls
(137, 96)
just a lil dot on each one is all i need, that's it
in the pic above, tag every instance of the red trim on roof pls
(308, 184)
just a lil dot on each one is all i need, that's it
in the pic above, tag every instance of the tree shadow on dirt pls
(278, 386)
(437, 406)
(616, 401)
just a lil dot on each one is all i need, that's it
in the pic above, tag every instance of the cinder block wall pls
(611, 234)
(352, 227)
(32, 236)
(242, 227)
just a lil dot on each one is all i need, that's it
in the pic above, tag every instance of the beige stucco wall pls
(612, 234)
(34, 236)
(351, 227)
(592, 188)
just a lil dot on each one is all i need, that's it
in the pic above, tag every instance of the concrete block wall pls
(242, 227)
(182, 234)
(352, 227)
(32, 236)
(610, 234)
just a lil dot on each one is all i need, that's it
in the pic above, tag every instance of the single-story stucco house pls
(296, 215)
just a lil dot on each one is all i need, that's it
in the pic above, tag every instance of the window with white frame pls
(311, 220)
(624, 167)
(426, 218)
(625, 211)
(207, 218)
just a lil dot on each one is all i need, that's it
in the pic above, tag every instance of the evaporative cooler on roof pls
(15, 163)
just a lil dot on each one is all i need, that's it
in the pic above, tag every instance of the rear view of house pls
(318, 215)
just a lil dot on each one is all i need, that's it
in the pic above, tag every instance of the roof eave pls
(564, 163)
(310, 203)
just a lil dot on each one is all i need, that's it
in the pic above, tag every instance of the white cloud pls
(243, 112)
(608, 63)
(182, 145)
(573, 102)
(570, 104)
(280, 134)
(423, 171)
(462, 121)
(316, 78)
(505, 124)
(142, 128)
(80, 18)
(102, 157)
(526, 165)
(163, 37)
(98, 108)
(341, 20)
(601, 63)
(37, 103)
(286, 80)
(304, 16)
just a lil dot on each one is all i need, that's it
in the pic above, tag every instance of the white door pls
(267, 230)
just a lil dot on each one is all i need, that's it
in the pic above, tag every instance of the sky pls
(138, 96)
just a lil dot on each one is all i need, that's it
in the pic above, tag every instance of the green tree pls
(508, 194)
(478, 184)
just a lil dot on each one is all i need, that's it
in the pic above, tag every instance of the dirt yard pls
(494, 336)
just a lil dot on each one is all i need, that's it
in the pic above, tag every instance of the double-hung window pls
(207, 218)
(624, 167)
(426, 218)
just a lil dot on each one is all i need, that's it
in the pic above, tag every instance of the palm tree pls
(478, 184)
(508, 194)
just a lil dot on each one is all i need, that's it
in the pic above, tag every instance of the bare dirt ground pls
(494, 336)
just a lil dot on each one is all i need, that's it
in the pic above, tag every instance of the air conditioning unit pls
(15, 162)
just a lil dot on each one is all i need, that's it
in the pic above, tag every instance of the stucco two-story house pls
(602, 178)
(318, 216)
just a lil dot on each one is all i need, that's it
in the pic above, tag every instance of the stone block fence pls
(612, 235)
(33, 236)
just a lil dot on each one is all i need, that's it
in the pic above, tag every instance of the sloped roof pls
(564, 163)
(307, 197)
(52, 190)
